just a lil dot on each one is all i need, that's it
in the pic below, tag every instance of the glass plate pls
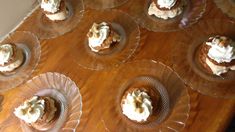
(189, 68)
(191, 14)
(103, 4)
(46, 29)
(55, 85)
(31, 48)
(174, 106)
(119, 53)
(227, 7)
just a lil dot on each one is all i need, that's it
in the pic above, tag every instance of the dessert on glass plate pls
(107, 38)
(54, 18)
(218, 55)
(48, 102)
(166, 15)
(38, 112)
(166, 9)
(20, 53)
(102, 36)
(55, 10)
(145, 99)
(11, 57)
(204, 57)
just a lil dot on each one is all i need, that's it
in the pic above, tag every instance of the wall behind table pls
(12, 13)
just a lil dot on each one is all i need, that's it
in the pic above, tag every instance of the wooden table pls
(207, 114)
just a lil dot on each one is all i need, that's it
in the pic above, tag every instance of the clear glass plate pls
(175, 103)
(193, 11)
(55, 85)
(46, 29)
(227, 7)
(31, 48)
(104, 4)
(123, 24)
(187, 65)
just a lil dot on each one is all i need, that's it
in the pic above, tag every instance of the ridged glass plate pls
(31, 48)
(57, 86)
(104, 4)
(123, 24)
(173, 110)
(47, 29)
(227, 6)
(193, 11)
(187, 65)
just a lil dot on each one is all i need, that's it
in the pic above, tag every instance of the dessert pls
(137, 105)
(102, 36)
(38, 112)
(55, 10)
(166, 9)
(11, 57)
(217, 55)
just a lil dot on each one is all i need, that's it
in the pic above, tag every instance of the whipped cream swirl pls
(6, 52)
(166, 3)
(51, 6)
(31, 110)
(220, 52)
(98, 34)
(137, 106)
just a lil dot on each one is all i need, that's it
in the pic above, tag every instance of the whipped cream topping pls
(164, 14)
(31, 110)
(222, 49)
(6, 52)
(166, 3)
(137, 106)
(98, 34)
(51, 6)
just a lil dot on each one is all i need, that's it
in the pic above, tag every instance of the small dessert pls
(55, 10)
(166, 9)
(217, 55)
(11, 57)
(102, 36)
(38, 112)
(137, 105)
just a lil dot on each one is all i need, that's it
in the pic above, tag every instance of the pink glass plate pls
(103, 4)
(32, 51)
(46, 29)
(191, 14)
(123, 24)
(185, 58)
(62, 89)
(227, 6)
(173, 109)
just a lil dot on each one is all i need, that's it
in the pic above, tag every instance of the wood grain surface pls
(207, 114)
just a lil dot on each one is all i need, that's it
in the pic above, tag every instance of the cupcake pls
(11, 57)
(217, 55)
(55, 10)
(166, 9)
(139, 104)
(39, 112)
(102, 36)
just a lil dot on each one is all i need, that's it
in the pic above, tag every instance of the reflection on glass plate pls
(227, 6)
(103, 4)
